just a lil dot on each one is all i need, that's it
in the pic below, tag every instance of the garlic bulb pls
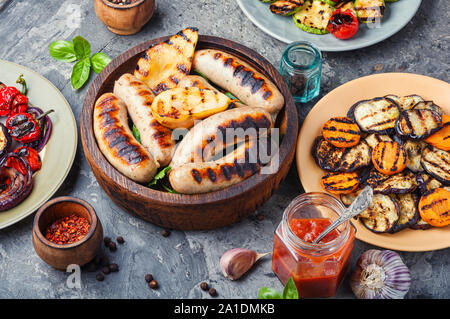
(237, 261)
(380, 274)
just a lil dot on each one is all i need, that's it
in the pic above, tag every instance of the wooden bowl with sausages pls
(191, 208)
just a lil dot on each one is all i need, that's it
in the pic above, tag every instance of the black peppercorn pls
(148, 277)
(120, 240)
(107, 240)
(204, 286)
(106, 270)
(114, 267)
(165, 233)
(212, 292)
(100, 277)
(153, 284)
(112, 246)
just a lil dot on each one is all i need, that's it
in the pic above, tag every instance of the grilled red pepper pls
(31, 156)
(7, 95)
(19, 105)
(343, 24)
(23, 128)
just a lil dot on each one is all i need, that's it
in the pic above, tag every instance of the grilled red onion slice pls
(46, 127)
(19, 186)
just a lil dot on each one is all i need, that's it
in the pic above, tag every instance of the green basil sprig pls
(79, 50)
(289, 292)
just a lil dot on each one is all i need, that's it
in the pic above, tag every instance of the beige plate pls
(58, 155)
(337, 103)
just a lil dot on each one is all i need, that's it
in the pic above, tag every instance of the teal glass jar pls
(301, 68)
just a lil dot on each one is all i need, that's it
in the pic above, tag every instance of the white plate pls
(397, 15)
(58, 155)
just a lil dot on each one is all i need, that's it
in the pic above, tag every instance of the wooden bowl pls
(178, 211)
(124, 19)
(80, 252)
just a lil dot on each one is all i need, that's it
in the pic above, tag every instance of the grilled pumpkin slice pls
(374, 139)
(382, 215)
(285, 8)
(409, 212)
(426, 183)
(340, 183)
(341, 132)
(414, 151)
(180, 107)
(441, 139)
(436, 162)
(434, 207)
(313, 16)
(162, 66)
(377, 115)
(370, 11)
(389, 157)
(401, 183)
(428, 105)
(336, 159)
(418, 124)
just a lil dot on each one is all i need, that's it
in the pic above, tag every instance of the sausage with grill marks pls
(238, 77)
(117, 143)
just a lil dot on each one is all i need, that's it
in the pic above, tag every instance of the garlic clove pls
(380, 274)
(237, 261)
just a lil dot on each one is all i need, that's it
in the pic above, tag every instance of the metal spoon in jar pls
(360, 204)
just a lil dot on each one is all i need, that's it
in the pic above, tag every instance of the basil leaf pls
(136, 134)
(161, 174)
(99, 60)
(169, 190)
(62, 51)
(290, 290)
(80, 73)
(269, 293)
(81, 47)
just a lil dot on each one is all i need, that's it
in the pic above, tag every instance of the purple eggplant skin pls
(414, 137)
(5, 140)
(412, 221)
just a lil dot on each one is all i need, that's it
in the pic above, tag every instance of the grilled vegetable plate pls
(436, 162)
(382, 215)
(340, 183)
(441, 139)
(180, 107)
(374, 139)
(165, 64)
(369, 11)
(401, 183)
(425, 182)
(414, 151)
(418, 124)
(285, 8)
(341, 132)
(377, 115)
(428, 105)
(336, 159)
(313, 17)
(409, 212)
(389, 157)
(434, 207)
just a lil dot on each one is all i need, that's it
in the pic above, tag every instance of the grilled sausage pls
(212, 135)
(156, 138)
(196, 178)
(242, 80)
(117, 143)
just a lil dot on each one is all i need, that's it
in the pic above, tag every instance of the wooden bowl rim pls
(169, 199)
(43, 209)
(124, 6)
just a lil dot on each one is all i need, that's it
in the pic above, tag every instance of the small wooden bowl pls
(124, 19)
(80, 252)
(178, 211)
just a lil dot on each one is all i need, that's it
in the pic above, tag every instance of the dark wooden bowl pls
(188, 212)
(80, 252)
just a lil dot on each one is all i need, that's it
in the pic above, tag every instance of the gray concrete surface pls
(184, 259)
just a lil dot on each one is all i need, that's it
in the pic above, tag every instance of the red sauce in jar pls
(308, 229)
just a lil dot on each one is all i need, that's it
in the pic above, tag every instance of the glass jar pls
(301, 68)
(317, 269)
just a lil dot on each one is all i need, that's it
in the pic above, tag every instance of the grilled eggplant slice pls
(401, 183)
(341, 132)
(436, 162)
(420, 224)
(389, 157)
(428, 105)
(418, 124)
(313, 16)
(425, 182)
(407, 102)
(374, 139)
(340, 183)
(370, 11)
(377, 115)
(284, 8)
(414, 150)
(382, 215)
(335, 159)
(409, 212)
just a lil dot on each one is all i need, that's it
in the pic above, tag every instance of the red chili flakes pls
(67, 230)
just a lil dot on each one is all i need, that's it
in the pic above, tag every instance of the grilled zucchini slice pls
(382, 215)
(345, 5)
(426, 183)
(409, 212)
(436, 162)
(374, 139)
(285, 8)
(335, 159)
(313, 16)
(401, 183)
(428, 105)
(377, 115)
(340, 183)
(414, 151)
(418, 124)
(370, 11)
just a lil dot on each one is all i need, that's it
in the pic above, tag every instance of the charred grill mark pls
(212, 176)
(173, 79)
(196, 175)
(226, 171)
(228, 62)
(161, 87)
(217, 56)
(181, 33)
(433, 203)
(183, 68)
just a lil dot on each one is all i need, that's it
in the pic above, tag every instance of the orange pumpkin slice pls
(389, 157)
(441, 139)
(434, 207)
(341, 132)
(340, 183)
